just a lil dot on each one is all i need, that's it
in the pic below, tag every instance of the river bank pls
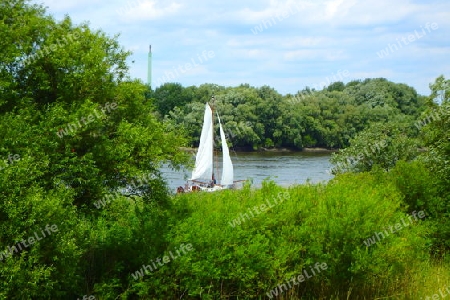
(275, 150)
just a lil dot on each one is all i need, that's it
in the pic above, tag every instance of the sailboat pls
(203, 178)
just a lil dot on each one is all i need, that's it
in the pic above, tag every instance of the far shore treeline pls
(81, 149)
(260, 117)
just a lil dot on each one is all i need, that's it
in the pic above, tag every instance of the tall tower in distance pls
(149, 71)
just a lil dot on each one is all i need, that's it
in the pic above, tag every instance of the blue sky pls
(287, 45)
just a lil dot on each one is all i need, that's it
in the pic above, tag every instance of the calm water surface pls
(285, 168)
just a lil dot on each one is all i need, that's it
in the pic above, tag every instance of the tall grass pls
(304, 225)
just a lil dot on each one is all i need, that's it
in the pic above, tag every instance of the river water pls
(285, 168)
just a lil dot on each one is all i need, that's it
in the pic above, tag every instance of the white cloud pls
(336, 6)
(304, 41)
(67, 6)
(373, 12)
(139, 10)
(276, 11)
(314, 54)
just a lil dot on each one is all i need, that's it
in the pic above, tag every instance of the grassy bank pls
(251, 244)
(378, 235)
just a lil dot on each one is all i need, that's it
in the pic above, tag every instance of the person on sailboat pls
(213, 182)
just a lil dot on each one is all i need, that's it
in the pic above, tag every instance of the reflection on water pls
(285, 168)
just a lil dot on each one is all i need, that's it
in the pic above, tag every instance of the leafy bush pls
(421, 190)
(309, 224)
(380, 144)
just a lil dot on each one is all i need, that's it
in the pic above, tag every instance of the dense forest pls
(75, 129)
(258, 118)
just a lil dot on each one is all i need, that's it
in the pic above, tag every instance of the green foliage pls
(298, 227)
(415, 181)
(55, 80)
(336, 86)
(327, 118)
(56, 75)
(170, 95)
(435, 133)
(421, 191)
(382, 145)
(436, 137)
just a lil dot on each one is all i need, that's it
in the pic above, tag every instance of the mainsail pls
(227, 165)
(204, 160)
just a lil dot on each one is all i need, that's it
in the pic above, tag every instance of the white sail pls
(227, 166)
(204, 159)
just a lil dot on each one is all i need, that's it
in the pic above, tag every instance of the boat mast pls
(213, 99)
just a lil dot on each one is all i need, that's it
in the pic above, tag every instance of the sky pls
(287, 45)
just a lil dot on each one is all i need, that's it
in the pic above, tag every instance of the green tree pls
(80, 130)
(382, 144)
(435, 129)
(170, 95)
(336, 86)
(435, 134)
(327, 118)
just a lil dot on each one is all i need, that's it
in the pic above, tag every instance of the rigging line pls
(233, 149)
